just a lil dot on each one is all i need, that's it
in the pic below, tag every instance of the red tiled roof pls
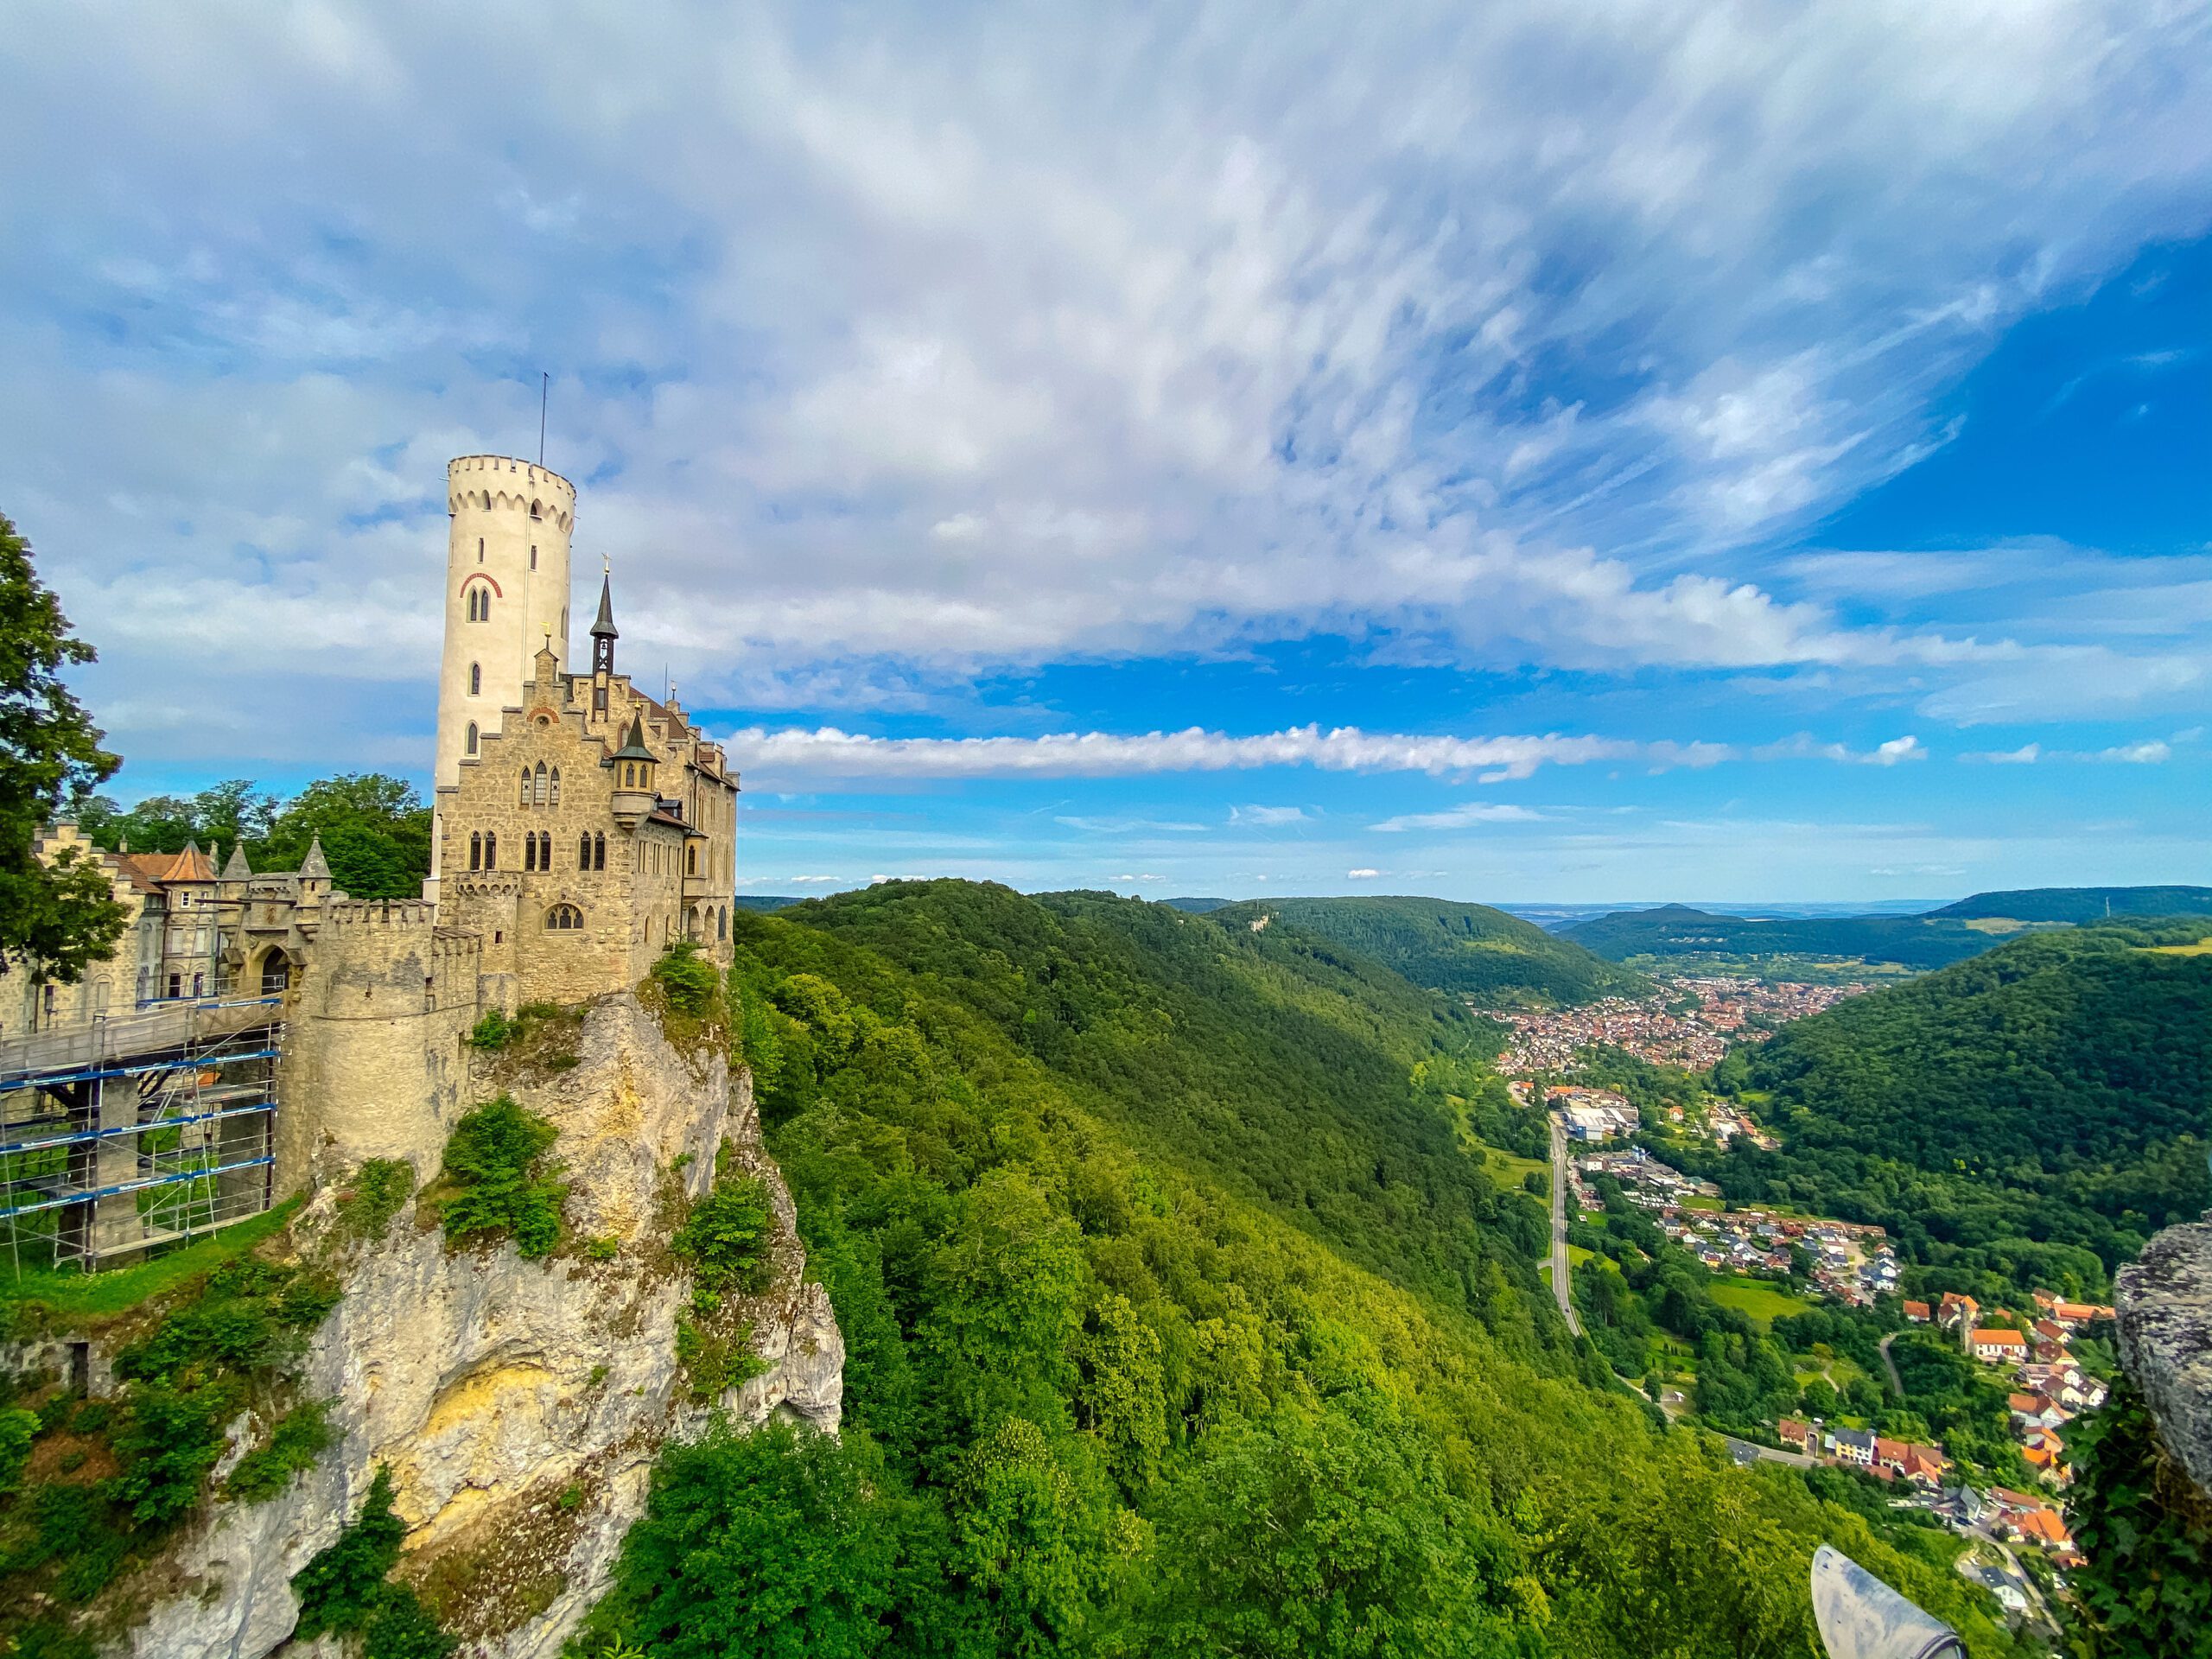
(1996, 1336)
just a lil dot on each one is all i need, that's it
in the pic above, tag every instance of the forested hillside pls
(2080, 905)
(2032, 1116)
(1177, 1324)
(1464, 950)
(1679, 930)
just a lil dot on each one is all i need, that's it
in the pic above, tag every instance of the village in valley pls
(1690, 1021)
(1809, 1260)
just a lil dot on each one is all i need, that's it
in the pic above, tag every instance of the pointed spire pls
(315, 866)
(633, 743)
(603, 628)
(236, 869)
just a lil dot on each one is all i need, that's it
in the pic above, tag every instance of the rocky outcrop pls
(519, 1405)
(2165, 1304)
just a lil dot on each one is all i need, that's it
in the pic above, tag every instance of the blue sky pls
(1531, 451)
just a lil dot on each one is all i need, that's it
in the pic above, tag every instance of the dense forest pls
(1464, 950)
(1934, 940)
(1179, 1322)
(2028, 1118)
(1678, 931)
(2080, 905)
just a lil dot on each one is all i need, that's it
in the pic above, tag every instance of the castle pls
(581, 828)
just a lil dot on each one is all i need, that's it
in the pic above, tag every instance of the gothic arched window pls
(476, 679)
(475, 852)
(537, 785)
(556, 785)
(526, 786)
(563, 918)
(691, 860)
(491, 849)
(599, 851)
(583, 851)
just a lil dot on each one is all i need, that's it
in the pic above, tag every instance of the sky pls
(1538, 451)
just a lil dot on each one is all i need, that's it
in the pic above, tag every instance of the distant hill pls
(1465, 949)
(2080, 905)
(1197, 906)
(2008, 1115)
(1934, 940)
(764, 902)
(1678, 931)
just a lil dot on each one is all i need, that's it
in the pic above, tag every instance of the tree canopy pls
(55, 918)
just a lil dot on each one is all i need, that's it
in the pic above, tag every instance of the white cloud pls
(1361, 874)
(1459, 818)
(1268, 817)
(1805, 746)
(1133, 880)
(2149, 752)
(828, 751)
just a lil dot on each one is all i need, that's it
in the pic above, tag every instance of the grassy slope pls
(1462, 949)
(1036, 1027)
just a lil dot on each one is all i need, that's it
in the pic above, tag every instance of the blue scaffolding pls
(120, 1133)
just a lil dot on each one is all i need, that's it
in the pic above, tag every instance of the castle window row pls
(537, 850)
(540, 787)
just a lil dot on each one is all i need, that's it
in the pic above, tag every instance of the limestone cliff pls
(519, 1405)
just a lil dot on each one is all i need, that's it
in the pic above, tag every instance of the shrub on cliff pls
(725, 1238)
(497, 1179)
(347, 1590)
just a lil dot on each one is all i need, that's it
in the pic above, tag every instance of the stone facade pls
(576, 869)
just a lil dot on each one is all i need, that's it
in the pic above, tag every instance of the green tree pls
(56, 918)
(1312, 1534)
(375, 833)
(783, 1541)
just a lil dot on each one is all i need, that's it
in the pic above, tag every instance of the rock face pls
(519, 1405)
(2165, 1304)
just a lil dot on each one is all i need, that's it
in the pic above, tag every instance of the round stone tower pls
(506, 594)
(506, 599)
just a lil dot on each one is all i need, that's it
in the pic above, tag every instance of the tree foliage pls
(1462, 949)
(2147, 1533)
(496, 1179)
(374, 829)
(1175, 1323)
(54, 919)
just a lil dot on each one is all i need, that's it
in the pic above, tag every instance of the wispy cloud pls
(1459, 818)
(1804, 746)
(1268, 817)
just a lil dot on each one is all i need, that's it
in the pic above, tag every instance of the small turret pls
(633, 763)
(314, 873)
(236, 868)
(603, 636)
